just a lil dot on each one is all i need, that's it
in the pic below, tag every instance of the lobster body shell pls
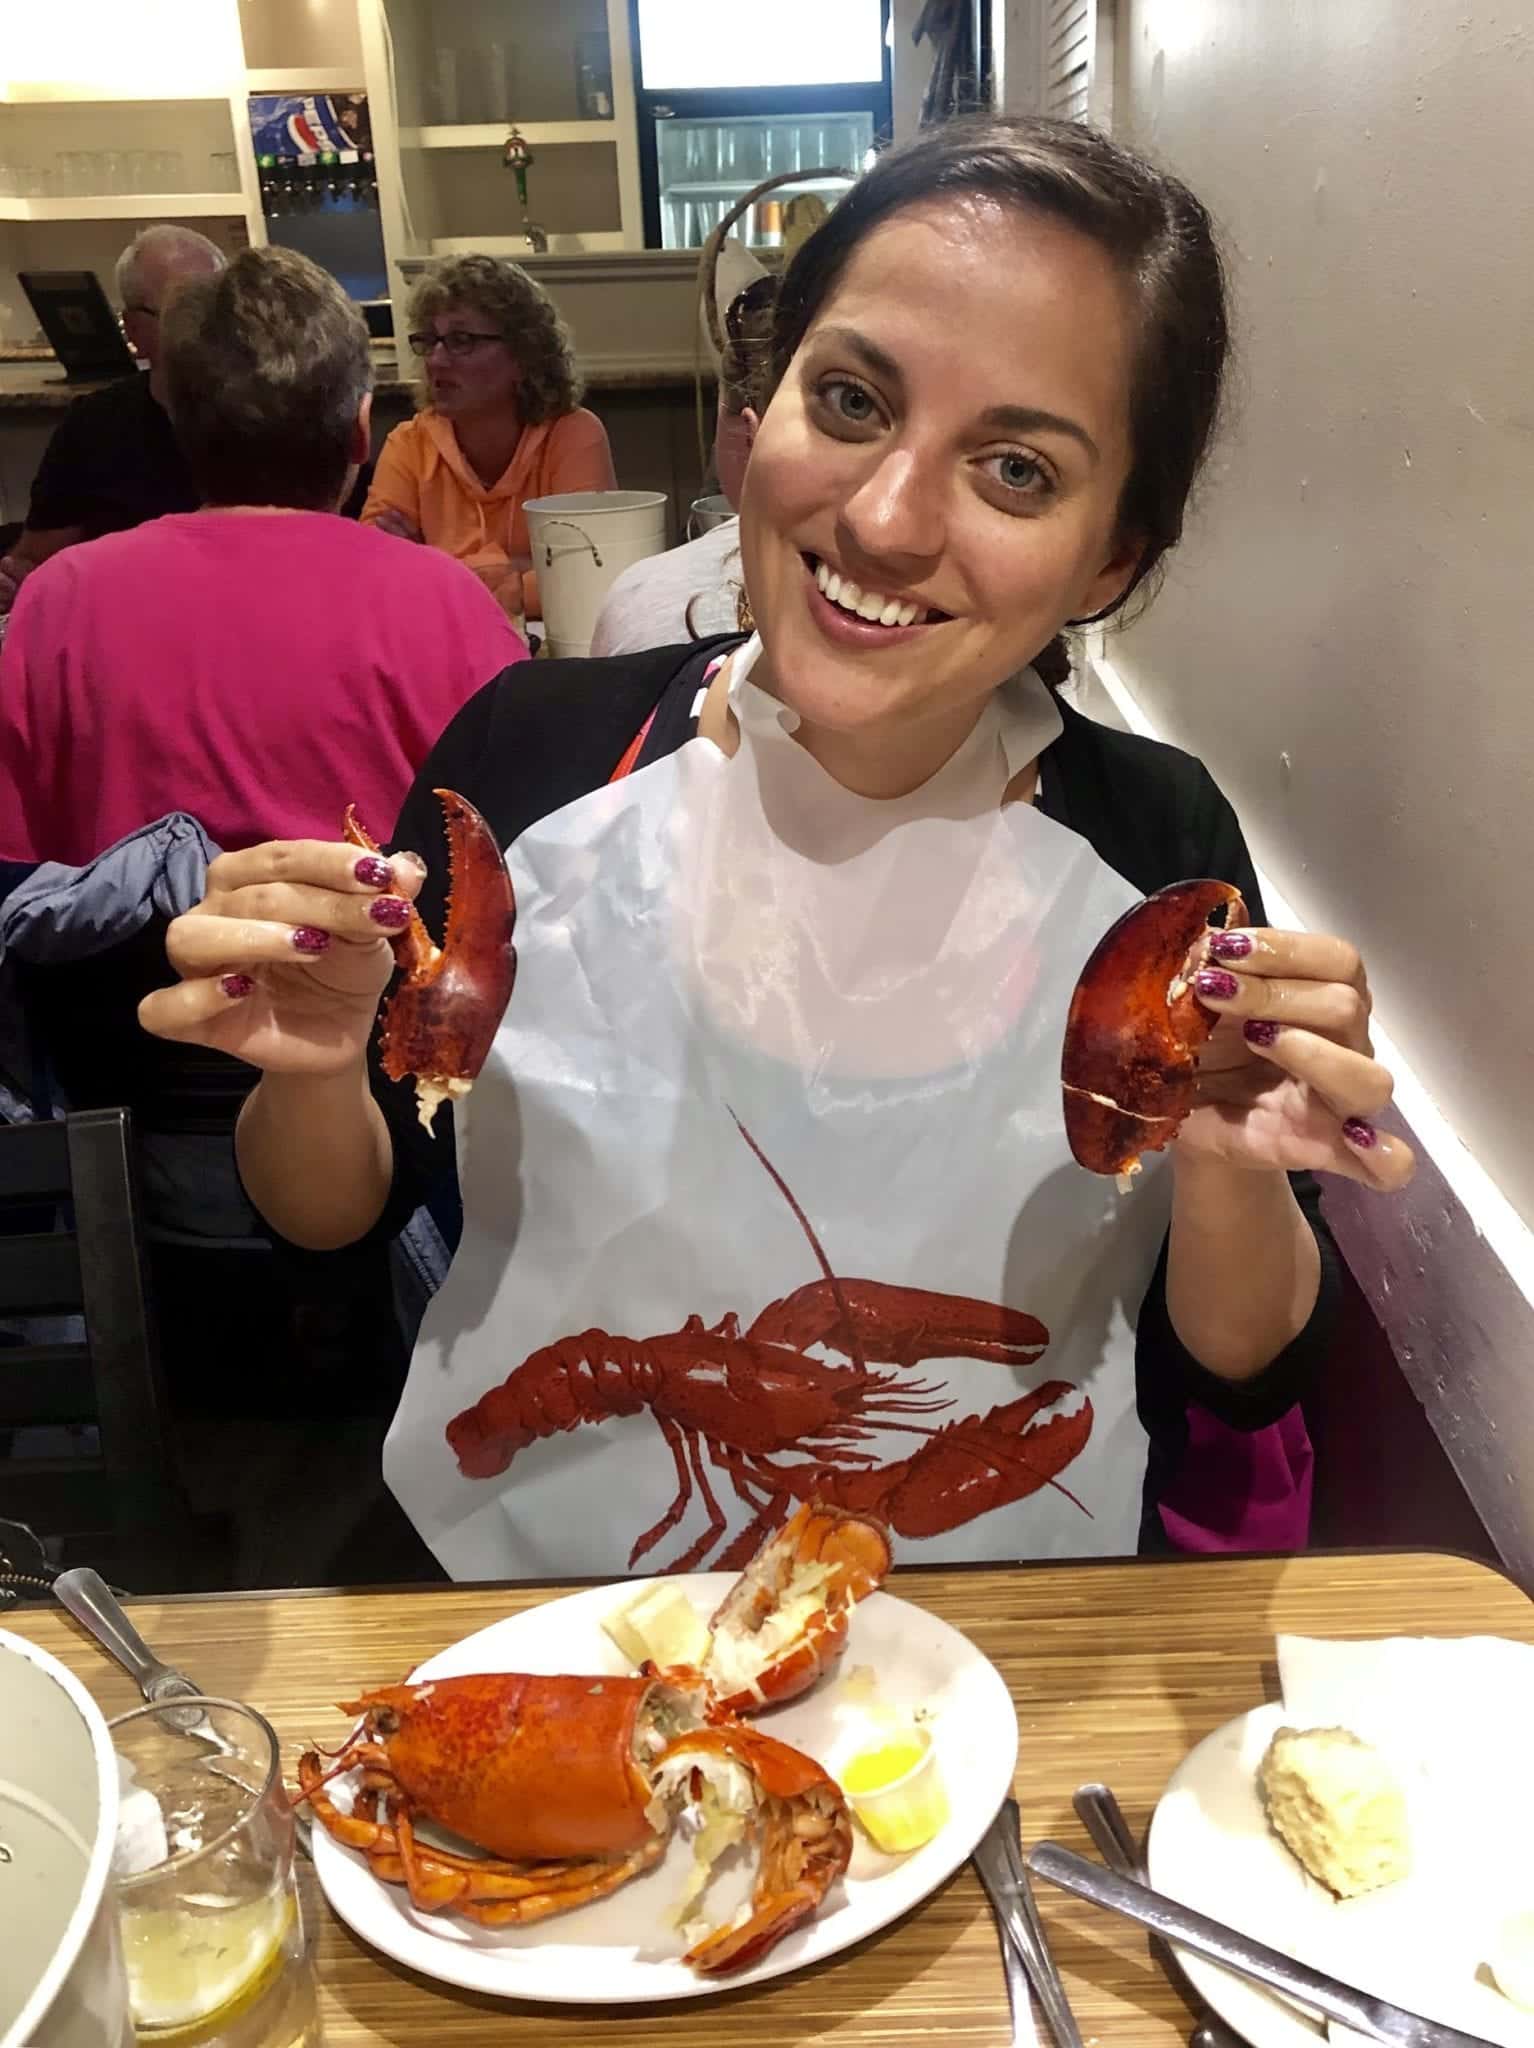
(1129, 1069)
(526, 1767)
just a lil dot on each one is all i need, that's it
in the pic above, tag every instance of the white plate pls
(621, 1951)
(1416, 1943)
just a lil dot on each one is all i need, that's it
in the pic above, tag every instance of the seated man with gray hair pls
(259, 663)
(113, 459)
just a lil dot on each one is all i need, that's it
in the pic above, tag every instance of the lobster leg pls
(676, 1443)
(900, 1325)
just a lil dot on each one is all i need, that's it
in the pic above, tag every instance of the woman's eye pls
(1020, 474)
(849, 402)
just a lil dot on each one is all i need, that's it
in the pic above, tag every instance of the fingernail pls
(308, 938)
(1231, 946)
(373, 872)
(392, 911)
(414, 860)
(1361, 1134)
(1216, 983)
(236, 985)
(1259, 1031)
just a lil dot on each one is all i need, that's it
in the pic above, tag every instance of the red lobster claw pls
(439, 1024)
(1128, 1068)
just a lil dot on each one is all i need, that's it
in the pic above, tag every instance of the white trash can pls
(582, 541)
(62, 1980)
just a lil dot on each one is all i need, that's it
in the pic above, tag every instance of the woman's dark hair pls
(1150, 224)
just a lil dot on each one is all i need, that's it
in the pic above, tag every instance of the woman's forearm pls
(1243, 1270)
(316, 1156)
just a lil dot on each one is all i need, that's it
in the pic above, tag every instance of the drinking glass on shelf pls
(114, 171)
(167, 170)
(212, 1932)
(223, 171)
(139, 170)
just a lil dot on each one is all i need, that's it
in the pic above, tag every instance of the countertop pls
(31, 381)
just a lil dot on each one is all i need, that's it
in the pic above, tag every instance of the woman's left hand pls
(1288, 1078)
(390, 520)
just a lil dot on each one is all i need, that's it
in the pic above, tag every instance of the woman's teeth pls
(867, 604)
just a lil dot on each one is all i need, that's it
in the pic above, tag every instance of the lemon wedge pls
(191, 1973)
(896, 1792)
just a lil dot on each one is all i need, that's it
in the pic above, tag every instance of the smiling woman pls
(766, 1193)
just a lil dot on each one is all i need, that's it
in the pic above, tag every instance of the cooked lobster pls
(571, 1784)
(1129, 1066)
(440, 1022)
(554, 1777)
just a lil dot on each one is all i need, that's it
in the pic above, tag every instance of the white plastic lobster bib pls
(765, 1184)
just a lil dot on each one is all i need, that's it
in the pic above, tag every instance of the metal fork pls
(1103, 1818)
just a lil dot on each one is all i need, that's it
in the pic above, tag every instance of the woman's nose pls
(897, 512)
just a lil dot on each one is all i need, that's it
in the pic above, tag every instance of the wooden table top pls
(1116, 1670)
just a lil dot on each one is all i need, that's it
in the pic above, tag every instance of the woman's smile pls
(861, 614)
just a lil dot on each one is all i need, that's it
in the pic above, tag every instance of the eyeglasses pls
(752, 306)
(458, 343)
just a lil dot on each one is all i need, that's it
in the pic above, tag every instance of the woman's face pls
(483, 380)
(952, 437)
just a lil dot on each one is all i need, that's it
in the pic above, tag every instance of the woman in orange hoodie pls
(501, 422)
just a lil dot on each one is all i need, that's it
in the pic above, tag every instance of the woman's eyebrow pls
(1028, 419)
(1008, 419)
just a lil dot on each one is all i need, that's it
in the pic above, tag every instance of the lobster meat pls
(784, 1622)
(1129, 1067)
(571, 1785)
(737, 1783)
(440, 1022)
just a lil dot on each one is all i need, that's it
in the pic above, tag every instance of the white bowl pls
(62, 1980)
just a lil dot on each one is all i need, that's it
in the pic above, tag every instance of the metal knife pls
(1248, 1957)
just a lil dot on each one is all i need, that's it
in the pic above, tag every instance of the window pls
(1078, 53)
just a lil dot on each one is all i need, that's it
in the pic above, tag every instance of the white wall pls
(1344, 637)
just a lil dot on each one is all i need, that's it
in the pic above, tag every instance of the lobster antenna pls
(854, 1348)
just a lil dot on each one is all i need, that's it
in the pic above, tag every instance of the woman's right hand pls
(285, 959)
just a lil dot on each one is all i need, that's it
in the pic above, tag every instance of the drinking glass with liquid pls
(212, 1932)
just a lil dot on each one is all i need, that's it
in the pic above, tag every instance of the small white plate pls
(621, 1950)
(1417, 1943)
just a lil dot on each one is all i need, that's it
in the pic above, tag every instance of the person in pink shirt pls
(260, 663)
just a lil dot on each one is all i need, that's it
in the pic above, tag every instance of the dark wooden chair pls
(123, 1502)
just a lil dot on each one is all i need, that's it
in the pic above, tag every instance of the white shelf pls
(128, 206)
(47, 92)
(492, 134)
(307, 78)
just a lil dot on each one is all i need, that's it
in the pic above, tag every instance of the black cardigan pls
(545, 733)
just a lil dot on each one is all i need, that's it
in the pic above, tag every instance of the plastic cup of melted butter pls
(894, 1788)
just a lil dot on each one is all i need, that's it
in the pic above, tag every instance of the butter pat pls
(660, 1627)
(1332, 1801)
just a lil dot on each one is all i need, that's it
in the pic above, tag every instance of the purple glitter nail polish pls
(236, 985)
(1359, 1133)
(373, 872)
(1260, 1031)
(1215, 982)
(390, 911)
(1231, 946)
(308, 938)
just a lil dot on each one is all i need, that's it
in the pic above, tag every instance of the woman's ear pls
(1112, 579)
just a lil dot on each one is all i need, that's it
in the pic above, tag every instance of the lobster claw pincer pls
(440, 1022)
(1129, 1066)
